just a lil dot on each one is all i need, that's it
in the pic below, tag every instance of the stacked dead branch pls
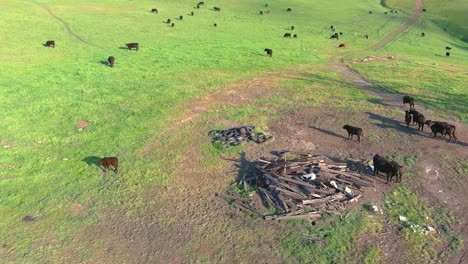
(304, 186)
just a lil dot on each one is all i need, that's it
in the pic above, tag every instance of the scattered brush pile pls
(304, 187)
(236, 136)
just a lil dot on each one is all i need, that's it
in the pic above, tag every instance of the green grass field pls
(44, 92)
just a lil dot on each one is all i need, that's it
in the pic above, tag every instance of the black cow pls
(447, 54)
(295, 36)
(217, 9)
(418, 118)
(198, 7)
(444, 128)
(172, 25)
(423, 34)
(168, 21)
(353, 131)
(424, 9)
(332, 27)
(366, 36)
(108, 162)
(50, 43)
(181, 17)
(192, 13)
(407, 118)
(111, 61)
(266, 5)
(381, 164)
(132, 46)
(292, 27)
(289, 10)
(287, 35)
(341, 33)
(448, 48)
(408, 100)
(334, 36)
(370, 12)
(269, 52)
(261, 12)
(215, 25)
(154, 10)
(201, 3)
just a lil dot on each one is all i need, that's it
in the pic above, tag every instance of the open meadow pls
(63, 109)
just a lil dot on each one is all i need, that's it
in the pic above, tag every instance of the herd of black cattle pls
(381, 164)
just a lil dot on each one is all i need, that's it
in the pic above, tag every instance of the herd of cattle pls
(381, 164)
(392, 168)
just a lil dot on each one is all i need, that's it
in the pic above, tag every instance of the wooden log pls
(232, 197)
(336, 197)
(247, 208)
(309, 216)
(290, 194)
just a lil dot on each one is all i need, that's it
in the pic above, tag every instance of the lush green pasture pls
(46, 161)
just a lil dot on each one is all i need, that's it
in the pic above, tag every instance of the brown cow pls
(108, 162)
(111, 61)
(342, 45)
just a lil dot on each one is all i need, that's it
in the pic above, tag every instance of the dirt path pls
(339, 65)
(67, 26)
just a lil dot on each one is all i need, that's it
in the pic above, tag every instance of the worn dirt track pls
(66, 25)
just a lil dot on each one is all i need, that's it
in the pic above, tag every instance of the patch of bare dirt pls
(77, 210)
(83, 124)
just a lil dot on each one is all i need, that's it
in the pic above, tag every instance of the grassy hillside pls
(47, 160)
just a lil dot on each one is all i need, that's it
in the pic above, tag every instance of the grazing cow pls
(408, 100)
(268, 11)
(292, 27)
(168, 21)
(423, 34)
(217, 9)
(181, 17)
(424, 10)
(407, 118)
(198, 7)
(386, 13)
(396, 12)
(201, 3)
(295, 36)
(192, 13)
(450, 131)
(172, 25)
(334, 36)
(341, 33)
(108, 162)
(287, 35)
(354, 131)
(342, 45)
(370, 12)
(261, 12)
(50, 43)
(447, 54)
(266, 5)
(215, 25)
(132, 46)
(418, 118)
(448, 48)
(289, 10)
(111, 61)
(154, 10)
(269, 52)
(381, 164)
(366, 36)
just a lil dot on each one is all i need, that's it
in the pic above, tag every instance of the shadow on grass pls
(123, 48)
(103, 62)
(328, 132)
(92, 160)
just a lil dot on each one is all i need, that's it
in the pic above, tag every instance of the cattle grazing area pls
(106, 108)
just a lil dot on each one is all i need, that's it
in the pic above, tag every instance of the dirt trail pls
(67, 26)
(339, 65)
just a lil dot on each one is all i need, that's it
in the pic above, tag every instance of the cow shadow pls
(257, 53)
(104, 62)
(92, 160)
(123, 48)
(328, 132)
(389, 123)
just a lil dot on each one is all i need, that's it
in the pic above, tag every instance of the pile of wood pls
(304, 186)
